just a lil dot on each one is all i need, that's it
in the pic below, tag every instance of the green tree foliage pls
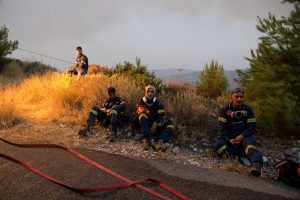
(6, 46)
(139, 72)
(272, 82)
(212, 81)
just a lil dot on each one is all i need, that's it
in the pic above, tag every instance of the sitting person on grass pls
(152, 120)
(237, 126)
(112, 114)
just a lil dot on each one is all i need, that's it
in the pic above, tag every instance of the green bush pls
(212, 81)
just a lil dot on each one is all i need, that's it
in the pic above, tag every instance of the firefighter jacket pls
(155, 110)
(236, 121)
(115, 103)
(82, 62)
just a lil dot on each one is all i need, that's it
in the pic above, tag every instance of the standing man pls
(152, 118)
(111, 114)
(81, 63)
(237, 126)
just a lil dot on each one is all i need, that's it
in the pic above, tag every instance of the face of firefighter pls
(78, 52)
(237, 99)
(111, 95)
(150, 93)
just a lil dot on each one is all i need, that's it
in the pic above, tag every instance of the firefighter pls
(237, 126)
(81, 63)
(111, 114)
(152, 119)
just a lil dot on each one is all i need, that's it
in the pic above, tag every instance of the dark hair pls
(236, 90)
(77, 48)
(111, 90)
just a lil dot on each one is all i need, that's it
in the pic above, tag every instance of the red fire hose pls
(126, 182)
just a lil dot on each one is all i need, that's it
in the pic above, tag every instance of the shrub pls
(212, 81)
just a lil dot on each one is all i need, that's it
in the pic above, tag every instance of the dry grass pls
(9, 115)
(56, 96)
(188, 108)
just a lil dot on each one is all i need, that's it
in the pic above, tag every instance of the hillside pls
(190, 76)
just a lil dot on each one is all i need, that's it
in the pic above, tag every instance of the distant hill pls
(190, 76)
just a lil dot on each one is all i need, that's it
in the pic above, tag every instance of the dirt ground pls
(174, 162)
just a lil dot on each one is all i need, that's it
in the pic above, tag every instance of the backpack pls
(289, 168)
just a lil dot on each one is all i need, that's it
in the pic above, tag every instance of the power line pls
(58, 59)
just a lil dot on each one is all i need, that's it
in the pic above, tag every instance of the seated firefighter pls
(110, 114)
(237, 126)
(152, 119)
(81, 63)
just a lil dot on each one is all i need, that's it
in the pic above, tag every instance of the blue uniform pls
(81, 67)
(153, 111)
(115, 104)
(82, 63)
(233, 122)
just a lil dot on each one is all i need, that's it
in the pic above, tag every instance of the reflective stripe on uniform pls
(221, 149)
(251, 120)
(161, 111)
(114, 112)
(122, 103)
(244, 113)
(250, 146)
(143, 115)
(170, 126)
(94, 112)
(221, 119)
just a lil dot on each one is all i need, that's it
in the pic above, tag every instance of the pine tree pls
(272, 82)
(212, 81)
(6, 46)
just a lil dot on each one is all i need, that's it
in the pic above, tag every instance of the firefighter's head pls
(237, 96)
(78, 50)
(150, 91)
(111, 92)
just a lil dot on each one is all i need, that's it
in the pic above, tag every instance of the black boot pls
(86, 131)
(256, 169)
(89, 125)
(113, 134)
(147, 143)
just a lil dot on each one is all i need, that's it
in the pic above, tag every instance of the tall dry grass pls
(56, 96)
(9, 115)
(187, 107)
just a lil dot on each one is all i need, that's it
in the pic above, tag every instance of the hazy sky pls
(163, 33)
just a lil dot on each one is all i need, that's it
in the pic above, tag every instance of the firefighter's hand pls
(153, 128)
(232, 141)
(237, 140)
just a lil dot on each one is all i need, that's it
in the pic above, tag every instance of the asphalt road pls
(16, 182)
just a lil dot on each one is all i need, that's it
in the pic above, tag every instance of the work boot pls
(112, 137)
(84, 132)
(147, 145)
(160, 145)
(113, 134)
(256, 169)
